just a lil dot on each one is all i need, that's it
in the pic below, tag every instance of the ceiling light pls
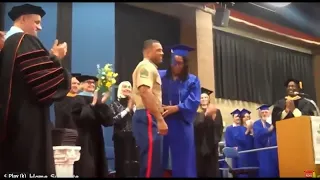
(280, 4)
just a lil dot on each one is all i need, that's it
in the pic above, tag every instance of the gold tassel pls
(300, 85)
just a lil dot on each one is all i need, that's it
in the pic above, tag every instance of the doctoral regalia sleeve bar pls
(43, 75)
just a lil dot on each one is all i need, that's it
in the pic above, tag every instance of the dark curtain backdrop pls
(254, 71)
(134, 26)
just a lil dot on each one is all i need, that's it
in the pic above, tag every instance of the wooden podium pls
(295, 147)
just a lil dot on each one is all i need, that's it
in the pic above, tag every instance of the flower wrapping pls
(106, 78)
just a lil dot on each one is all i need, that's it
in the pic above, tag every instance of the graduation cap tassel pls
(300, 85)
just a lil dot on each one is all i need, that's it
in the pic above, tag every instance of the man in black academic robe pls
(292, 105)
(31, 80)
(89, 112)
(62, 108)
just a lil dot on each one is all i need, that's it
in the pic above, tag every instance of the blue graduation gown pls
(268, 159)
(230, 141)
(180, 138)
(245, 142)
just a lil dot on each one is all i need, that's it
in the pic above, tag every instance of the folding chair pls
(230, 152)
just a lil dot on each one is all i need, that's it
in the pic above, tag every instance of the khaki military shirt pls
(146, 74)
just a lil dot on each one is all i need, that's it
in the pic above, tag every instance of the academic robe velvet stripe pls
(6, 93)
(42, 74)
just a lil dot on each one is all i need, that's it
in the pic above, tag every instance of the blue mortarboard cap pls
(237, 111)
(181, 50)
(263, 107)
(244, 111)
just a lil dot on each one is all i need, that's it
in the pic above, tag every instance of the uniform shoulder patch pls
(144, 73)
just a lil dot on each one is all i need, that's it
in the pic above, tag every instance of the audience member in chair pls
(265, 136)
(207, 134)
(89, 112)
(125, 150)
(231, 132)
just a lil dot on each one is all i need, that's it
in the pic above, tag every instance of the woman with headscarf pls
(125, 149)
(207, 131)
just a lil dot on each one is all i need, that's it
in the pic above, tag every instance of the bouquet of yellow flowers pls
(106, 78)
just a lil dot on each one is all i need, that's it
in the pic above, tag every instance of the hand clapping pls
(211, 111)
(249, 127)
(2, 34)
(289, 106)
(130, 103)
(95, 98)
(59, 50)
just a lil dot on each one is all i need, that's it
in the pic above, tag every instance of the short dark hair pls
(148, 43)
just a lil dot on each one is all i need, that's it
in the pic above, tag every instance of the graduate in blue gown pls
(245, 141)
(265, 136)
(181, 98)
(231, 133)
(246, 116)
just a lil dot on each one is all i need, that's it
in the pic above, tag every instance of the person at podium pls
(292, 105)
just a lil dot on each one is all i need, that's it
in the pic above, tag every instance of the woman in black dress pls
(125, 149)
(208, 132)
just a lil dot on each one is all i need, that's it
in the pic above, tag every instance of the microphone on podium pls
(317, 112)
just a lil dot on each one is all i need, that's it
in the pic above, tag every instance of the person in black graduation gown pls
(125, 149)
(62, 108)
(89, 112)
(292, 105)
(208, 128)
(31, 80)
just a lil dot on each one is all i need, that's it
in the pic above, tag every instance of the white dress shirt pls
(13, 30)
